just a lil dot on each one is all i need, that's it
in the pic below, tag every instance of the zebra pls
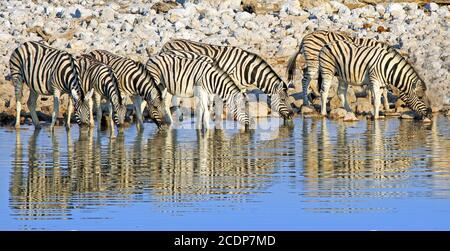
(310, 47)
(375, 66)
(100, 77)
(246, 68)
(173, 101)
(48, 71)
(187, 77)
(135, 80)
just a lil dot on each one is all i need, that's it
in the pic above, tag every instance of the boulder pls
(350, 117)
(305, 109)
(396, 11)
(408, 115)
(363, 106)
(164, 7)
(338, 113)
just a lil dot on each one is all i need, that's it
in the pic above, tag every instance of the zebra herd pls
(185, 68)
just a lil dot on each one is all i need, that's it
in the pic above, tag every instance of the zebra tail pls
(292, 64)
(319, 81)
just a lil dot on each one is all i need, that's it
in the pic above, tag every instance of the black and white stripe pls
(135, 80)
(310, 47)
(375, 66)
(47, 71)
(245, 68)
(100, 78)
(186, 77)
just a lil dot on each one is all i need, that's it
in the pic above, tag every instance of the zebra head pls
(280, 101)
(157, 108)
(422, 106)
(119, 114)
(82, 108)
(237, 106)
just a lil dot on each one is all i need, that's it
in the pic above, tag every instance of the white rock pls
(342, 8)
(431, 6)
(292, 7)
(243, 17)
(5, 37)
(230, 4)
(396, 10)
(107, 14)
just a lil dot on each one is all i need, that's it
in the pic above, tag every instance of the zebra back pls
(133, 76)
(247, 68)
(44, 69)
(189, 55)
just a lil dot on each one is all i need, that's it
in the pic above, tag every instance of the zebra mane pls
(267, 64)
(116, 84)
(73, 65)
(398, 55)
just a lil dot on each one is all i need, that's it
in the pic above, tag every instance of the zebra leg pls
(112, 129)
(376, 100)
(56, 96)
(91, 113)
(32, 107)
(324, 92)
(176, 104)
(18, 91)
(342, 94)
(386, 102)
(69, 113)
(305, 84)
(137, 102)
(203, 115)
(168, 102)
(98, 110)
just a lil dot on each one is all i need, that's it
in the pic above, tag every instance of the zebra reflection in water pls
(343, 166)
(49, 180)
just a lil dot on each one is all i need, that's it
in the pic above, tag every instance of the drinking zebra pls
(187, 77)
(310, 47)
(245, 68)
(48, 71)
(135, 80)
(99, 77)
(375, 66)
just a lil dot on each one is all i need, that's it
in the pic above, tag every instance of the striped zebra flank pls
(310, 48)
(247, 69)
(185, 77)
(49, 72)
(135, 81)
(100, 78)
(374, 66)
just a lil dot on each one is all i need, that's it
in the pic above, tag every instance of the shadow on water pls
(328, 164)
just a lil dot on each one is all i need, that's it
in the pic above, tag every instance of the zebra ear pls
(163, 90)
(291, 85)
(89, 94)
(74, 95)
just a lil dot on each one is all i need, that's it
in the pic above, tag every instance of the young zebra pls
(135, 80)
(310, 47)
(186, 77)
(48, 71)
(101, 78)
(245, 68)
(375, 66)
